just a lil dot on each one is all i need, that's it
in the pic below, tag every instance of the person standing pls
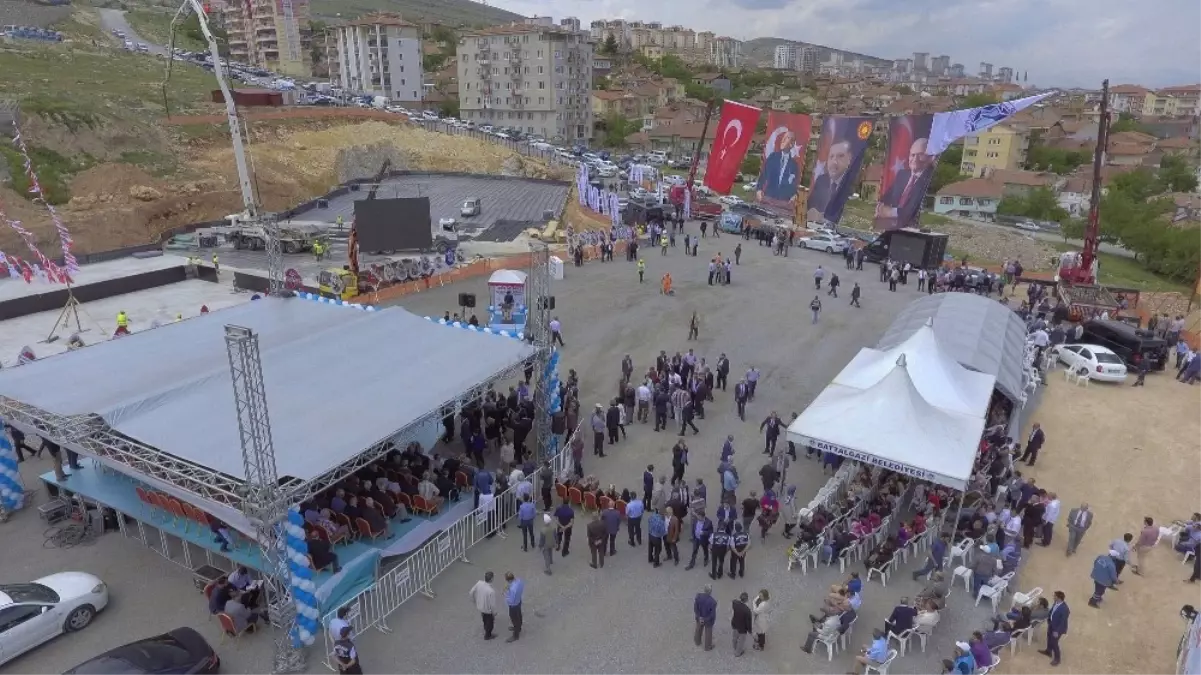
(634, 511)
(612, 520)
(719, 547)
(816, 307)
(694, 327)
(738, 254)
(565, 516)
(723, 371)
(702, 532)
(556, 332)
(526, 512)
(740, 398)
(514, 588)
(938, 553)
(1050, 515)
(1147, 538)
(834, 284)
(641, 270)
(740, 541)
(484, 597)
(855, 291)
(752, 382)
(1104, 576)
(771, 429)
(1079, 520)
(656, 529)
(346, 654)
(546, 542)
(704, 610)
(1057, 627)
(818, 275)
(742, 622)
(1033, 445)
(596, 541)
(671, 541)
(761, 608)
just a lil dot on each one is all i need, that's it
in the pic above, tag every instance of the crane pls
(1081, 268)
(251, 215)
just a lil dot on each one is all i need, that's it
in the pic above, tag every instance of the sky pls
(1061, 43)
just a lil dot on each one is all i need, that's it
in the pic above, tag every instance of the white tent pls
(908, 418)
(939, 377)
(507, 278)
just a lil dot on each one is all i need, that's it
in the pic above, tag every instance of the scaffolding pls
(537, 331)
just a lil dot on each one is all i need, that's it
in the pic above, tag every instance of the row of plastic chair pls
(588, 500)
(182, 514)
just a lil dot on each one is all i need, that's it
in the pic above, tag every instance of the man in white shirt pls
(339, 622)
(1013, 526)
(1050, 515)
(556, 332)
(644, 402)
(484, 597)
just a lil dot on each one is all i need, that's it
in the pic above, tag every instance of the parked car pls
(1028, 226)
(1128, 342)
(1101, 363)
(471, 207)
(37, 612)
(182, 650)
(731, 200)
(825, 242)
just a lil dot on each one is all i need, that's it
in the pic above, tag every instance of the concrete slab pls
(98, 318)
(89, 274)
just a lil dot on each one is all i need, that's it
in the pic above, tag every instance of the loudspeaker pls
(354, 187)
(548, 215)
(467, 300)
(323, 203)
(548, 302)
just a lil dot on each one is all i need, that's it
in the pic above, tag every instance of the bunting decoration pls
(581, 184)
(615, 208)
(687, 203)
(35, 188)
(54, 273)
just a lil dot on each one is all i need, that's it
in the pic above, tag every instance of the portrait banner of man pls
(908, 170)
(844, 142)
(783, 162)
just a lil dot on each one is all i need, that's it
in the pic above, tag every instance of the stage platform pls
(189, 545)
(11, 289)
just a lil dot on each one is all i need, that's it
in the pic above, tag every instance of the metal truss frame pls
(90, 435)
(537, 328)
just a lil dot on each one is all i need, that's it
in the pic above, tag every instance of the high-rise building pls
(377, 54)
(919, 61)
(534, 78)
(1005, 74)
(272, 34)
(726, 52)
(985, 70)
(958, 70)
(903, 66)
(807, 60)
(786, 57)
(571, 23)
(939, 65)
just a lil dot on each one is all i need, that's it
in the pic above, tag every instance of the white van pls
(656, 157)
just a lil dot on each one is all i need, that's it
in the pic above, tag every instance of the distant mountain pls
(763, 50)
(453, 13)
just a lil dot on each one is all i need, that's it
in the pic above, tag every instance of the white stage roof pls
(338, 380)
(892, 425)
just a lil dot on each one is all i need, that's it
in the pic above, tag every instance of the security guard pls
(641, 270)
(318, 250)
(721, 544)
(122, 323)
(741, 542)
(179, 317)
(338, 220)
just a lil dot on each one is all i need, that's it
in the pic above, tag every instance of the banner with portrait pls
(908, 170)
(844, 142)
(783, 162)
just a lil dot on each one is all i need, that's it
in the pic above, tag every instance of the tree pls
(1062, 162)
(752, 164)
(1037, 204)
(761, 125)
(700, 92)
(977, 100)
(947, 169)
(800, 108)
(191, 28)
(1138, 185)
(450, 107)
(609, 46)
(1175, 175)
(616, 129)
(1125, 122)
(1073, 229)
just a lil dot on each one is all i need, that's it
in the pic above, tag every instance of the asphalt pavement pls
(114, 19)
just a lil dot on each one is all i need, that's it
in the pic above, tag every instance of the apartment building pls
(1005, 74)
(536, 78)
(726, 52)
(272, 34)
(1001, 147)
(786, 57)
(380, 55)
(940, 65)
(1160, 104)
(1188, 99)
(1127, 98)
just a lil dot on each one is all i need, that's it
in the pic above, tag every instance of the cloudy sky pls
(1059, 42)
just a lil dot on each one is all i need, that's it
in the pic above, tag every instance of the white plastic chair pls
(844, 557)
(964, 573)
(923, 635)
(1082, 379)
(882, 571)
(881, 668)
(902, 639)
(1025, 599)
(996, 661)
(993, 593)
(832, 645)
(1016, 637)
(798, 557)
(847, 633)
(963, 550)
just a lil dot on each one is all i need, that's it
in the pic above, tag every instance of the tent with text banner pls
(911, 409)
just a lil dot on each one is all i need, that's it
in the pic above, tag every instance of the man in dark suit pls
(826, 198)
(1079, 520)
(741, 624)
(1057, 627)
(904, 196)
(778, 179)
(1033, 445)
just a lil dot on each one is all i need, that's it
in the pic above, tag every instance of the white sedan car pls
(731, 200)
(825, 242)
(1101, 363)
(37, 612)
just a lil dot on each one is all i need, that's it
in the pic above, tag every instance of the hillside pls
(451, 12)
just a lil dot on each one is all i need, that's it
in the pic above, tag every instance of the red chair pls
(561, 490)
(420, 505)
(604, 502)
(176, 509)
(621, 508)
(576, 497)
(461, 480)
(144, 497)
(344, 520)
(365, 529)
(590, 501)
(404, 499)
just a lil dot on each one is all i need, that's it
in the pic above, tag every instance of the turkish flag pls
(733, 139)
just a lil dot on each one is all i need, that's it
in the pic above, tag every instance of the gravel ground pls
(581, 620)
(21, 13)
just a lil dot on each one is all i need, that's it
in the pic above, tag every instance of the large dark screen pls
(907, 248)
(393, 224)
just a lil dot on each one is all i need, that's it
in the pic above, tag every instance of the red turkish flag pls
(733, 139)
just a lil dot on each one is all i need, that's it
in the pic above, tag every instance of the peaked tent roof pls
(941, 380)
(979, 333)
(892, 425)
(509, 277)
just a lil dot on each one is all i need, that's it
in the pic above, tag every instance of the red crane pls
(1079, 268)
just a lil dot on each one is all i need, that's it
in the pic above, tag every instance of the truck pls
(294, 237)
(921, 248)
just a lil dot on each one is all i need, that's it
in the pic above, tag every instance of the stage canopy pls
(911, 409)
(338, 380)
(507, 277)
(979, 333)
